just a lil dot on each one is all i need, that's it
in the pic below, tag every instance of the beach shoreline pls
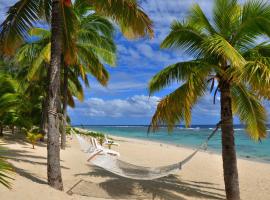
(201, 178)
(208, 150)
(192, 147)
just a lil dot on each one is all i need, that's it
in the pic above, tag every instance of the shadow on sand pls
(25, 155)
(167, 188)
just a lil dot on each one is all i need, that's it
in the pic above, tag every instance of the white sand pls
(200, 179)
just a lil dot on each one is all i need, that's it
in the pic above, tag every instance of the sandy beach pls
(201, 178)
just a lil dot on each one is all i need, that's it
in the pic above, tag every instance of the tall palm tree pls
(131, 18)
(94, 45)
(33, 57)
(227, 57)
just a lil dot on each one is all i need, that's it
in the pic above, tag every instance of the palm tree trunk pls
(44, 114)
(44, 119)
(12, 129)
(65, 89)
(53, 147)
(1, 130)
(228, 146)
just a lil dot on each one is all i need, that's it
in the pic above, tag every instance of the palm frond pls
(185, 37)
(200, 21)
(225, 14)
(177, 106)
(93, 64)
(127, 13)
(256, 73)
(5, 170)
(216, 45)
(44, 56)
(94, 22)
(255, 21)
(250, 111)
(20, 18)
(179, 72)
(75, 88)
(104, 54)
(70, 26)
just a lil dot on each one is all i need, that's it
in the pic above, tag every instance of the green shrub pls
(33, 138)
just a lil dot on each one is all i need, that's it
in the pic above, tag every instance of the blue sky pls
(125, 100)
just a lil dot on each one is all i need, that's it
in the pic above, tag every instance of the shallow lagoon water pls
(192, 137)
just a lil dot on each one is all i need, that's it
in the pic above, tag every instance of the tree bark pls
(228, 146)
(1, 131)
(65, 90)
(44, 119)
(53, 147)
(12, 129)
(45, 105)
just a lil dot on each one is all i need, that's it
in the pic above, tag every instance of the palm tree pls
(132, 20)
(93, 41)
(227, 57)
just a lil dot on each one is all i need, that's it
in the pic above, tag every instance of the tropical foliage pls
(219, 55)
(53, 63)
(33, 138)
(228, 61)
(5, 170)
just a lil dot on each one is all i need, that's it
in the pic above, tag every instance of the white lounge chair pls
(105, 150)
(110, 142)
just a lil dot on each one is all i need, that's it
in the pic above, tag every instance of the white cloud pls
(135, 106)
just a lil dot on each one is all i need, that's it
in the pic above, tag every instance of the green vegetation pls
(42, 71)
(33, 138)
(98, 135)
(5, 170)
(49, 64)
(227, 60)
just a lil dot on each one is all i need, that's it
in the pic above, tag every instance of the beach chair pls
(98, 147)
(110, 142)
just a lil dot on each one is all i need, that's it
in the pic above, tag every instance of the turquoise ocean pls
(192, 137)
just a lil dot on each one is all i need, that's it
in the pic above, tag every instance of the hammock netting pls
(128, 170)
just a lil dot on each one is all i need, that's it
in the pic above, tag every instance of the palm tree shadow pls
(29, 175)
(167, 188)
(24, 156)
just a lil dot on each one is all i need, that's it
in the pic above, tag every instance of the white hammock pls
(127, 170)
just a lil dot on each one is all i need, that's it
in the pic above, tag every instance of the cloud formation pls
(135, 106)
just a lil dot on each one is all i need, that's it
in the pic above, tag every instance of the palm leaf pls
(131, 18)
(20, 18)
(216, 45)
(255, 20)
(226, 14)
(250, 111)
(44, 56)
(200, 21)
(177, 106)
(70, 26)
(179, 72)
(5, 170)
(186, 37)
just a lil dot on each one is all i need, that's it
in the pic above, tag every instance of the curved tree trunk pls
(228, 146)
(65, 90)
(53, 147)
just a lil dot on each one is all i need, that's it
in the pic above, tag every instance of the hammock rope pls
(131, 171)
